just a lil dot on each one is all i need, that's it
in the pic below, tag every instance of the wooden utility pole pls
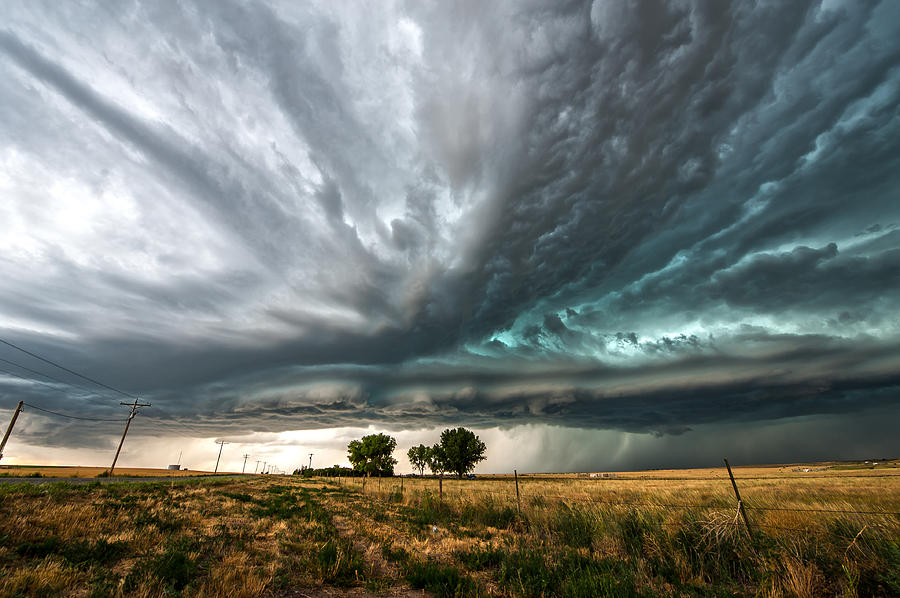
(221, 444)
(310, 461)
(134, 409)
(12, 422)
(245, 463)
(738, 496)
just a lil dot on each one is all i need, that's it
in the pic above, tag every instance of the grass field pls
(660, 533)
(65, 471)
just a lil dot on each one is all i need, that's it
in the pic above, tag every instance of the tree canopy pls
(418, 457)
(460, 451)
(435, 459)
(372, 454)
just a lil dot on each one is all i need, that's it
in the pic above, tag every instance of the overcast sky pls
(603, 235)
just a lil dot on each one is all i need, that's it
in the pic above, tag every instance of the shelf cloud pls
(644, 218)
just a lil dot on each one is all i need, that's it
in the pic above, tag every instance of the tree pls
(372, 454)
(434, 459)
(418, 457)
(461, 450)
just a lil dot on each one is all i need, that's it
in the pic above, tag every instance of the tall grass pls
(564, 537)
(655, 537)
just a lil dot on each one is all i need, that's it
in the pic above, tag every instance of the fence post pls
(518, 500)
(441, 487)
(739, 501)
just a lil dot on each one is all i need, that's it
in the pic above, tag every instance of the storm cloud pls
(648, 217)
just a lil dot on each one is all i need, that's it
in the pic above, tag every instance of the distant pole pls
(12, 422)
(310, 460)
(257, 466)
(518, 500)
(264, 466)
(245, 463)
(221, 444)
(134, 409)
(738, 496)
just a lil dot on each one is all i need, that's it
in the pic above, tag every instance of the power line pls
(63, 382)
(27, 379)
(164, 420)
(65, 369)
(90, 419)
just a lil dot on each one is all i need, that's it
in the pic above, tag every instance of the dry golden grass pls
(567, 535)
(813, 542)
(75, 471)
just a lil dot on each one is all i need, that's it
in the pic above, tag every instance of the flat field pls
(67, 471)
(823, 532)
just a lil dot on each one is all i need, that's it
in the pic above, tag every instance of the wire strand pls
(90, 419)
(65, 369)
(27, 379)
(19, 365)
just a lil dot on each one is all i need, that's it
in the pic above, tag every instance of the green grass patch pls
(442, 580)
(81, 553)
(529, 573)
(174, 569)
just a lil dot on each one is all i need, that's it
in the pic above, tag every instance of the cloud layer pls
(630, 216)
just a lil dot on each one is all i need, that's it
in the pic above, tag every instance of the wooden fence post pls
(739, 501)
(518, 500)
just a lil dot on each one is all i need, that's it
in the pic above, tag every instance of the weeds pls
(259, 536)
(442, 580)
(79, 553)
(174, 569)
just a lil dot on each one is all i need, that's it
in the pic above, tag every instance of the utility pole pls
(221, 444)
(310, 461)
(264, 466)
(245, 463)
(134, 409)
(257, 466)
(12, 422)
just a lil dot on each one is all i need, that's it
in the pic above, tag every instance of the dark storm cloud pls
(646, 216)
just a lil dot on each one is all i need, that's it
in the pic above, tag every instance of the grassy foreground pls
(280, 536)
(64, 471)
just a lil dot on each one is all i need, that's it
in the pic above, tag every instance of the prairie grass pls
(64, 471)
(209, 538)
(657, 534)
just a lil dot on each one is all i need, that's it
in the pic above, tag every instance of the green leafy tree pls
(418, 457)
(461, 450)
(372, 454)
(434, 459)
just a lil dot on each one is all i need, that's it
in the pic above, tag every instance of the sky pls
(604, 236)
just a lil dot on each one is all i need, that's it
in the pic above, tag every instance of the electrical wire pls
(19, 365)
(90, 419)
(65, 369)
(162, 419)
(28, 379)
